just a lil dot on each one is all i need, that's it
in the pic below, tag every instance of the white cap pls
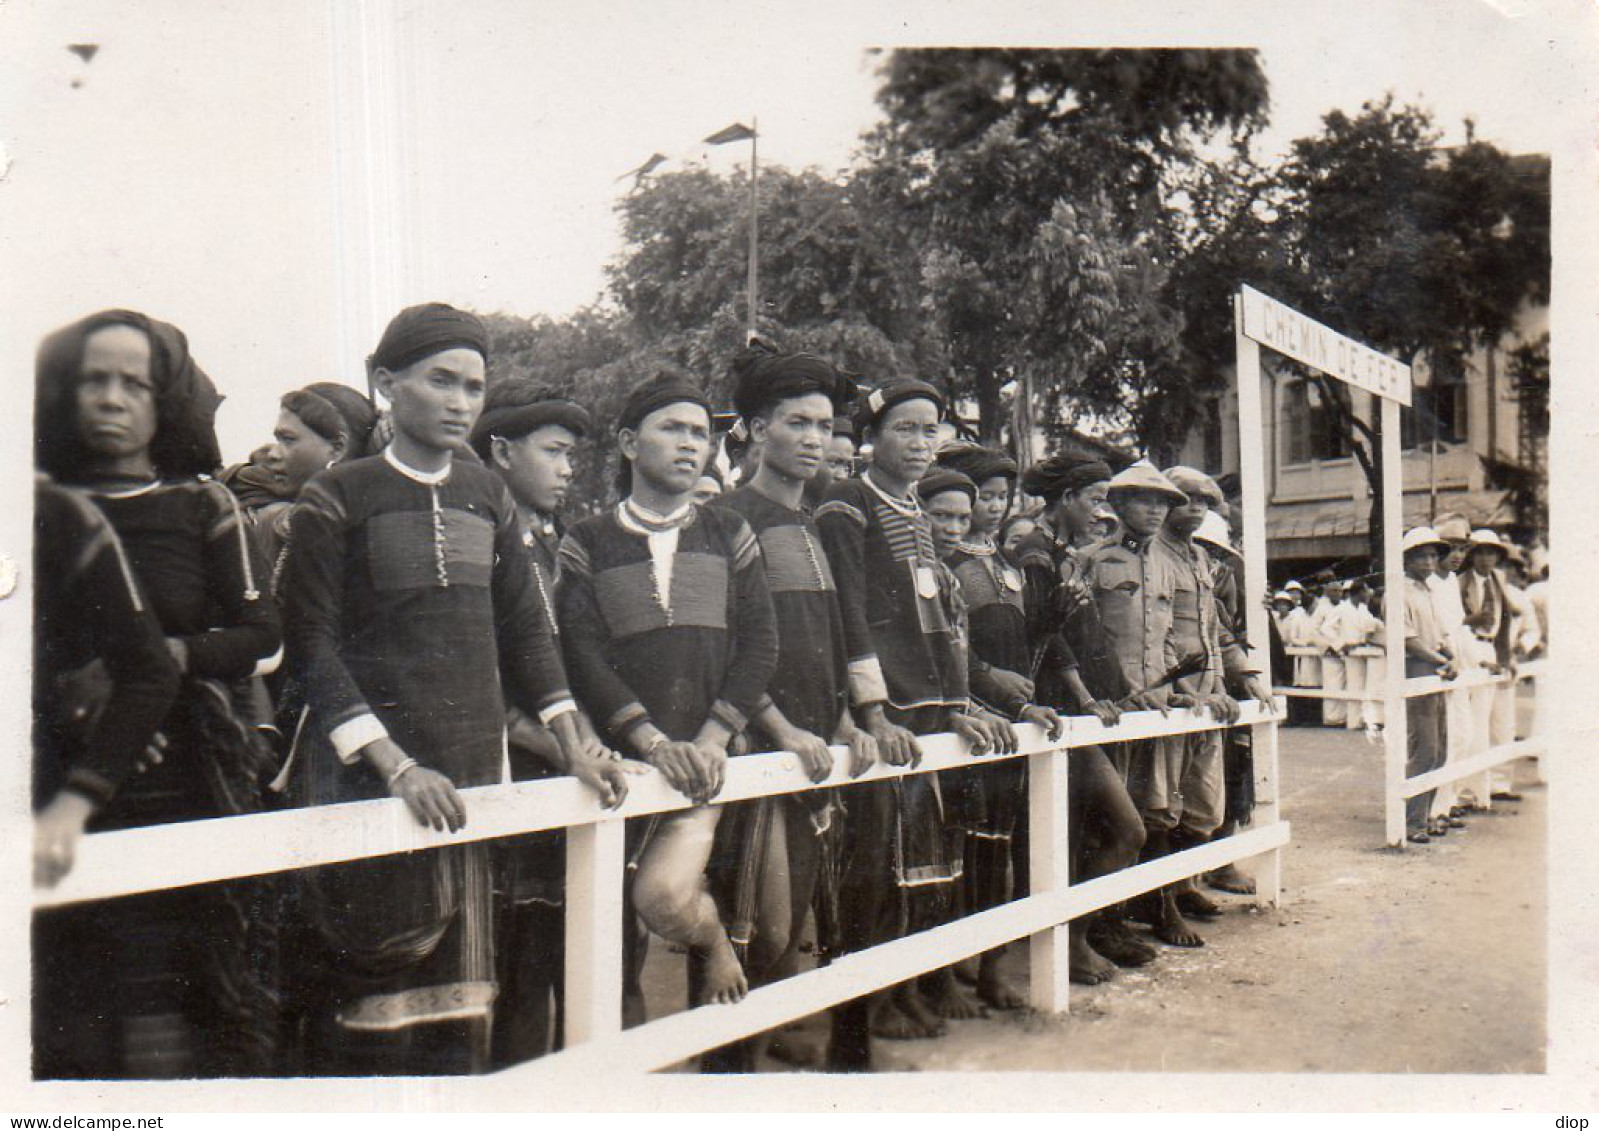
(1213, 532)
(1293, 587)
(1419, 536)
(1488, 538)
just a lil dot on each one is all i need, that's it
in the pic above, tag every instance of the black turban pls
(659, 391)
(318, 414)
(422, 331)
(942, 479)
(762, 377)
(891, 393)
(360, 417)
(1064, 471)
(186, 401)
(978, 463)
(520, 405)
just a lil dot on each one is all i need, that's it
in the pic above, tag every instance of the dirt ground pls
(1430, 960)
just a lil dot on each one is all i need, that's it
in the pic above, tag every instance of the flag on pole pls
(738, 131)
(643, 170)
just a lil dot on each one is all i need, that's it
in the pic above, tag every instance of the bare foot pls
(1087, 967)
(994, 989)
(1191, 902)
(966, 971)
(790, 1047)
(891, 1024)
(944, 998)
(1170, 926)
(910, 1003)
(1111, 938)
(1229, 879)
(725, 983)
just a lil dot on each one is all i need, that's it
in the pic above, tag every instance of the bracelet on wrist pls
(406, 766)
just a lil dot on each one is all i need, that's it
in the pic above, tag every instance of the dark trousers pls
(1425, 715)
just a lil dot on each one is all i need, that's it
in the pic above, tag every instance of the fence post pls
(1252, 440)
(1396, 727)
(1049, 861)
(1268, 811)
(595, 861)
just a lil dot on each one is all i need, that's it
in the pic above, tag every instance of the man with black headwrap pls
(769, 854)
(526, 435)
(1076, 671)
(410, 603)
(907, 677)
(667, 626)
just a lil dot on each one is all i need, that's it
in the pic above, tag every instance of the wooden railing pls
(174, 856)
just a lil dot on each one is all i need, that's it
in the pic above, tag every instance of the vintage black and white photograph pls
(803, 556)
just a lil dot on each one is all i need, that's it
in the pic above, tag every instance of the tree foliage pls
(1421, 252)
(1035, 187)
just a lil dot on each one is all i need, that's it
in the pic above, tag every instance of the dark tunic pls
(87, 607)
(707, 648)
(904, 652)
(988, 802)
(900, 641)
(1064, 631)
(413, 602)
(204, 955)
(810, 686)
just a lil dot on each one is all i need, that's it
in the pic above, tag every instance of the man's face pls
(670, 448)
(903, 441)
(1333, 593)
(1282, 607)
(1141, 512)
(1421, 563)
(434, 402)
(708, 488)
(993, 502)
(951, 516)
(537, 467)
(1078, 507)
(1183, 519)
(840, 460)
(794, 437)
(1484, 559)
(1452, 561)
(1015, 533)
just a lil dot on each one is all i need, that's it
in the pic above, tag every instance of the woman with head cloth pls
(175, 983)
(318, 426)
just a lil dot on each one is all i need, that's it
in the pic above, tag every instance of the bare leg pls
(669, 892)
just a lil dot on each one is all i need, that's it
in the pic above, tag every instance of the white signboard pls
(1289, 332)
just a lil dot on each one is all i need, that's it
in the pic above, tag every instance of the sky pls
(278, 178)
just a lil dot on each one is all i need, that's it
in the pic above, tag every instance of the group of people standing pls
(391, 605)
(1466, 613)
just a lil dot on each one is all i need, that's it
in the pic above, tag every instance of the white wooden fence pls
(172, 856)
(1398, 787)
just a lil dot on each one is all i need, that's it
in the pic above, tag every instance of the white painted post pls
(1049, 859)
(1396, 729)
(1252, 483)
(369, 169)
(595, 861)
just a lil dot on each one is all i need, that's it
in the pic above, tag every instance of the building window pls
(1212, 434)
(1437, 412)
(1310, 428)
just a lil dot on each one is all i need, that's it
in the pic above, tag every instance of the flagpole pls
(754, 219)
